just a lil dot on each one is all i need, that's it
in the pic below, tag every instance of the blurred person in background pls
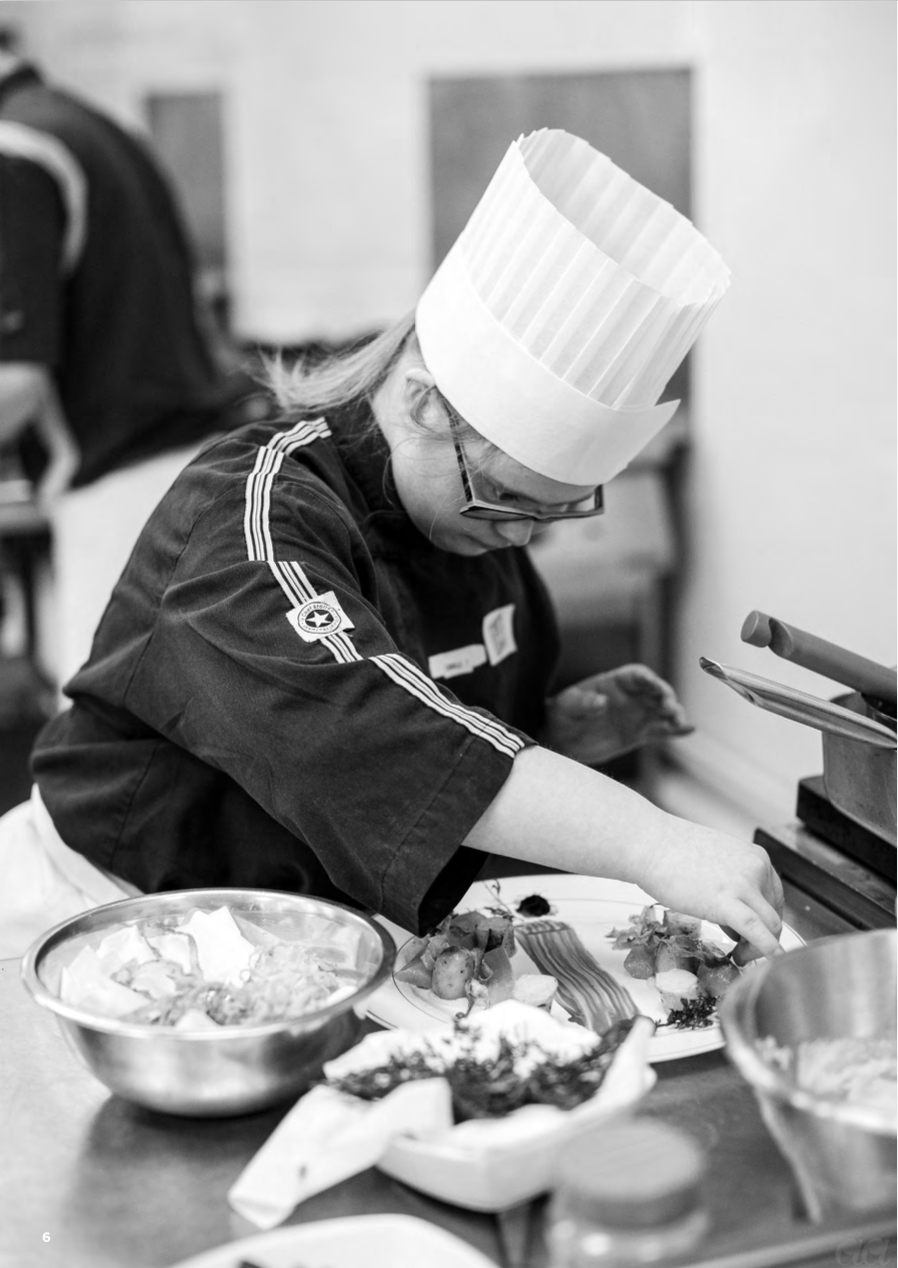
(110, 378)
(328, 665)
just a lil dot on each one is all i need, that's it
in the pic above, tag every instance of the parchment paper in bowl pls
(493, 1164)
(485, 1164)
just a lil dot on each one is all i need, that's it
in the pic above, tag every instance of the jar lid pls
(632, 1175)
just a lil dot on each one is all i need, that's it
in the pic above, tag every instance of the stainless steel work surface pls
(89, 1181)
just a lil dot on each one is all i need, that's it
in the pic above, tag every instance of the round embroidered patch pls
(318, 618)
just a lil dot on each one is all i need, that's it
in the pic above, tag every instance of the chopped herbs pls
(518, 1074)
(373, 1084)
(693, 1014)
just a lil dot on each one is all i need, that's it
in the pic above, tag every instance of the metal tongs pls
(821, 657)
(811, 711)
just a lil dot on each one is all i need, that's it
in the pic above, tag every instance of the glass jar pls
(626, 1195)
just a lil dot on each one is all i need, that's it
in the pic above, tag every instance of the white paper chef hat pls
(564, 307)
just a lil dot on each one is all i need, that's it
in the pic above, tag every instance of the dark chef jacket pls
(259, 707)
(119, 331)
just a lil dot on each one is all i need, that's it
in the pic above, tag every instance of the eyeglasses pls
(481, 508)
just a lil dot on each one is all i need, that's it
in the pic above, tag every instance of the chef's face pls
(426, 468)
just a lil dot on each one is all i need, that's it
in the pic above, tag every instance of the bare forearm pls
(554, 811)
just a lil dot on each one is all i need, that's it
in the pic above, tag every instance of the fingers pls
(752, 914)
(580, 701)
(633, 701)
(637, 681)
(640, 680)
(645, 684)
(779, 897)
(756, 928)
(743, 953)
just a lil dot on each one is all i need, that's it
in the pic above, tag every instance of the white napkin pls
(328, 1136)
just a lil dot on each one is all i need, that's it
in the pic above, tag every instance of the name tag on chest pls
(498, 642)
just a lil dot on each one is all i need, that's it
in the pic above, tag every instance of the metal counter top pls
(90, 1181)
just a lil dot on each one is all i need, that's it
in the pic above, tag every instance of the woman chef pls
(325, 666)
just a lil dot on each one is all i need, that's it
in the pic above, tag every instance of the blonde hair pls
(355, 374)
(341, 379)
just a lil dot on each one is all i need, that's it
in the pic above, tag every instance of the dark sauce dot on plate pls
(535, 905)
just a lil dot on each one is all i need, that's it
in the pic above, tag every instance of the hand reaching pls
(709, 874)
(612, 713)
(558, 813)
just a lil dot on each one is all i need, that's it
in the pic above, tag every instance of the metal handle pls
(816, 654)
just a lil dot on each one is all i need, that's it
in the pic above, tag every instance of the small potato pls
(452, 970)
(717, 978)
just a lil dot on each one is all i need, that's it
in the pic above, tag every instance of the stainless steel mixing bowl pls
(842, 1155)
(208, 1073)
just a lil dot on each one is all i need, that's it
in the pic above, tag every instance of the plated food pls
(585, 917)
(690, 972)
(467, 962)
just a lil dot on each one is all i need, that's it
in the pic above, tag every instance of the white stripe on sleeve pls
(299, 589)
(409, 676)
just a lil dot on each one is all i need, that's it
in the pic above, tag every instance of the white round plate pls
(377, 1241)
(592, 906)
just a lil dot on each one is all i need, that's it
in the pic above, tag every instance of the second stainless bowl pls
(842, 1155)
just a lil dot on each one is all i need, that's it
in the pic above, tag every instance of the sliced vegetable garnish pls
(691, 974)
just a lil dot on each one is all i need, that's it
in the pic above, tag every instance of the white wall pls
(792, 482)
(327, 147)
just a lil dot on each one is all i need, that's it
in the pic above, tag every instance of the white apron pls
(94, 531)
(44, 881)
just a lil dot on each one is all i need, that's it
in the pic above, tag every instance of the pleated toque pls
(565, 305)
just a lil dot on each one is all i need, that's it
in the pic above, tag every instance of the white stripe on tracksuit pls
(298, 589)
